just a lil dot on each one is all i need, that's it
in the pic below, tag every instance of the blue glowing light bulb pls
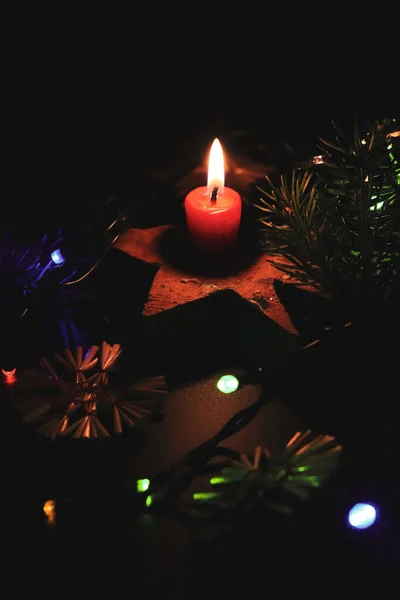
(57, 257)
(362, 515)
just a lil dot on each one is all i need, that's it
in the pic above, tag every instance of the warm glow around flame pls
(216, 170)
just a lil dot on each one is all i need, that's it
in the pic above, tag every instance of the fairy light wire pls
(196, 459)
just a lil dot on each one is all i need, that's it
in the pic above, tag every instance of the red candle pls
(213, 212)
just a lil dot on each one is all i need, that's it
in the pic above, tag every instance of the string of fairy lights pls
(84, 405)
(79, 400)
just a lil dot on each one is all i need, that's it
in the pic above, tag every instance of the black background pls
(88, 108)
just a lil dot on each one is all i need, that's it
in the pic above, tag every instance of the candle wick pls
(214, 194)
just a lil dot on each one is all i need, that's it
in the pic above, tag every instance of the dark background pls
(89, 108)
(79, 145)
(103, 143)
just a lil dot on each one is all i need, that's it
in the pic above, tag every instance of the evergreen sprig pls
(337, 223)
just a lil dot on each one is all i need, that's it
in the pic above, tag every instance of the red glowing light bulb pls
(9, 376)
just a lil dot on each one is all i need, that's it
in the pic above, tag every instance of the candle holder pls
(175, 247)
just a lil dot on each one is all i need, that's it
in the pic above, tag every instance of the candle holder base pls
(178, 249)
(187, 273)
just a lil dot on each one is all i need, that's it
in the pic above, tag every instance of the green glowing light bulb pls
(228, 384)
(217, 480)
(204, 496)
(142, 485)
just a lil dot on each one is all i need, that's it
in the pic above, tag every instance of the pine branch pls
(338, 225)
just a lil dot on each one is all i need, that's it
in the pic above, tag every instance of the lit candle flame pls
(216, 170)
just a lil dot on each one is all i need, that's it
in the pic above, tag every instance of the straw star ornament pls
(276, 479)
(84, 402)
